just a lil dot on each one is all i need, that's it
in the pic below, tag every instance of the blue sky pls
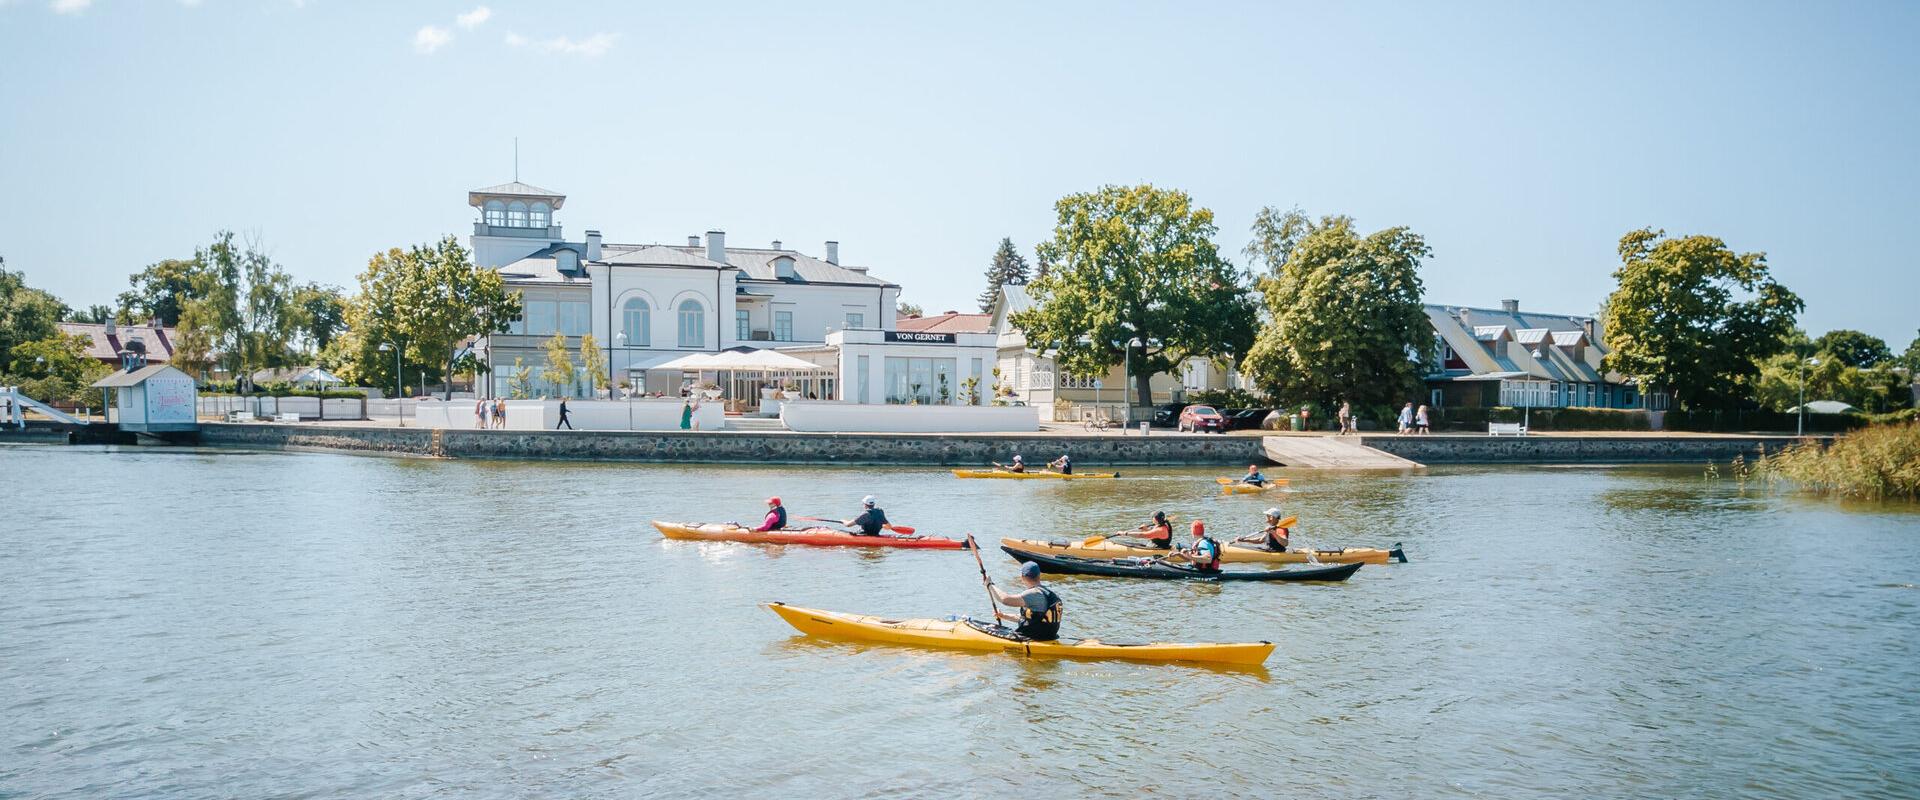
(1521, 139)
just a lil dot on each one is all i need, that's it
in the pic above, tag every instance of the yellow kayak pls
(964, 635)
(1243, 488)
(1001, 473)
(1230, 554)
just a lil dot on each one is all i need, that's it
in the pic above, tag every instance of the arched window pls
(496, 213)
(693, 324)
(541, 216)
(637, 321)
(516, 214)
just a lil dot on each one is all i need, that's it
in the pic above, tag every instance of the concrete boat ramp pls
(1330, 452)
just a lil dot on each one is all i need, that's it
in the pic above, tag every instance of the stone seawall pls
(1597, 449)
(744, 446)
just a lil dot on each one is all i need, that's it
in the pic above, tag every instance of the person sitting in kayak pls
(871, 520)
(1062, 465)
(1203, 554)
(1017, 465)
(1253, 476)
(1273, 538)
(776, 516)
(1040, 609)
(1159, 532)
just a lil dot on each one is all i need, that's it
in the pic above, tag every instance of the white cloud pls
(474, 18)
(589, 47)
(430, 38)
(70, 6)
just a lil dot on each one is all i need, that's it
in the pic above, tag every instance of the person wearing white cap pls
(871, 520)
(1273, 537)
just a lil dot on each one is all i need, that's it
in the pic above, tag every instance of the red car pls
(1201, 419)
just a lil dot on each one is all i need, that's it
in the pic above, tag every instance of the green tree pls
(559, 368)
(320, 312)
(26, 314)
(1853, 348)
(1827, 377)
(593, 362)
(905, 309)
(1008, 266)
(1911, 358)
(161, 291)
(428, 300)
(1694, 319)
(520, 380)
(1344, 319)
(56, 369)
(96, 314)
(1135, 262)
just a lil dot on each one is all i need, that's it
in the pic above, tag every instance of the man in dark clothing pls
(563, 416)
(871, 520)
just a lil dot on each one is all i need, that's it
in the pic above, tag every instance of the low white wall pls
(824, 416)
(586, 415)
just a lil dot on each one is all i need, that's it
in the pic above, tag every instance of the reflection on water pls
(187, 624)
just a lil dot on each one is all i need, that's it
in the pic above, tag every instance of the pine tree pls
(1008, 267)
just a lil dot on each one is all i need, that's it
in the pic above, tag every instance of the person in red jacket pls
(776, 516)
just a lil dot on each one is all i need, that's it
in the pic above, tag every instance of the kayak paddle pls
(1270, 481)
(986, 582)
(890, 526)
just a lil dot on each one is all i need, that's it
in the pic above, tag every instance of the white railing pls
(13, 405)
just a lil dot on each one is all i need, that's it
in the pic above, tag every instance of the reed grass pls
(1878, 461)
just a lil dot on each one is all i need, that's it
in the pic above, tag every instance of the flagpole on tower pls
(516, 159)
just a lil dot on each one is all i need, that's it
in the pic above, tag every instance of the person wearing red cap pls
(1204, 553)
(776, 516)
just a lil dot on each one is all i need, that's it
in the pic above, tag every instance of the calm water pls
(197, 624)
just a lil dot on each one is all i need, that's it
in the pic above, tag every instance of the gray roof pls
(655, 255)
(124, 378)
(540, 266)
(754, 263)
(516, 189)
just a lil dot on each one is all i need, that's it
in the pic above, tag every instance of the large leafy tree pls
(161, 291)
(427, 300)
(57, 369)
(1008, 266)
(1853, 348)
(234, 304)
(1135, 262)
(1693, 318)
(320, 314)
(1826, 376)
(1344, 319)
(26, 314)
(1911, 358)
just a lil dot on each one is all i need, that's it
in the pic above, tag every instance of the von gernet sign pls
(919, 338)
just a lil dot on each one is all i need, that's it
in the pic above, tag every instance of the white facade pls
(896, 368)
(646, 304)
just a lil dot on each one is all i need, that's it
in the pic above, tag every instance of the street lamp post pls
(620, 339)
(399, 410)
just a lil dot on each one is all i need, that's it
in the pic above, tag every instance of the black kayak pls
(1138, 568)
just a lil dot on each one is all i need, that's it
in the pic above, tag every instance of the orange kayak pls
(823, 537)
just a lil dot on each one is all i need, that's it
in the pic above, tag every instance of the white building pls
(646, 304)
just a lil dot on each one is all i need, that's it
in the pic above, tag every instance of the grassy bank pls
(1877, 461)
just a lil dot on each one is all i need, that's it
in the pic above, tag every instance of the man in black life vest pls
(1040, 609)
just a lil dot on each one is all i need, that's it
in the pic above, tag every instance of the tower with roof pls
(516, 219)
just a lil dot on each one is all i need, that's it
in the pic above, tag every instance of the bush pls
(1545, 419)
(226, 388)
(1227, 398)
(1876, 461)
(1743, 421)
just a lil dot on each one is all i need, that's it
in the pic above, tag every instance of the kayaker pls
(871, 520)
(1273, 537)
(1159, 532)
(1063, 464)
(1017, 465)
(1040, 609)
(776, 516)
(1204, 553)
(1253, 476)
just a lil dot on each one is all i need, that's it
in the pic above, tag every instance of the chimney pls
(1510, 306)
(593, 245)
(776, 244)
(833, 253)
(717, 246)
(693, 241)
(111, 328)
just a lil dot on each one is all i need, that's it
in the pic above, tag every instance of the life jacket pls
(1161, 535)
(1046, 626)
(1214, 549)
(1274, 535)
(779, 517)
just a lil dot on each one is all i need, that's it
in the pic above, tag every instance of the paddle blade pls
(1289, 522)
(1223, 481)
(899, 528)
(1092, 540)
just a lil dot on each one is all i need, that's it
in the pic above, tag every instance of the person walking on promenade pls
(1040, 609)
(686, 413)
(563, 416)
(1420, 422)
(500, 413)
(479, 413)
(1346, 418)
(1406, 419)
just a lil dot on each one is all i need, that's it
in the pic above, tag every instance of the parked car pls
(1239, 419)
(1167, 415)
(1201, 419)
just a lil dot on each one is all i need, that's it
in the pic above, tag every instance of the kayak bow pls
(825, 537)
(962, 634)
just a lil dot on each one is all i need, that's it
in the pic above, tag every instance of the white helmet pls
(1273, 513)
(1016, 456)
(868, 500)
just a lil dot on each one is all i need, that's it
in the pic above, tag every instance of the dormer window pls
(496, 213)
(783, 269)
(568, 261)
